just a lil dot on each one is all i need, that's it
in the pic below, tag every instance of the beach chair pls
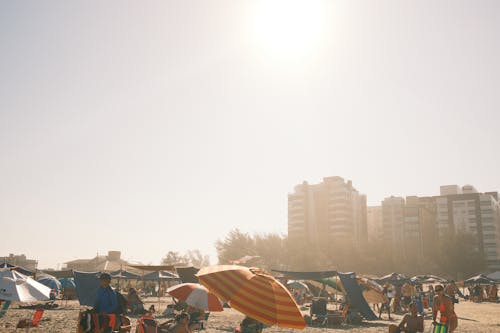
(28, 323)
(4, 308)
(89, 321)
(338, 318)
(147, 324)
(318, 311)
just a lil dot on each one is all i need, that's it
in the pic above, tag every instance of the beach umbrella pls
(395, 279)
(125, 275)
(67, 283)
(197, 296)
(49, 281)
(161, 275)
(479, 279)
(15, 286)
(254, 293)
(297, 285)
(427, 279)
(494, 276)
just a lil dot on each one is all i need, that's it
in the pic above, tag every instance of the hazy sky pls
(151, 126)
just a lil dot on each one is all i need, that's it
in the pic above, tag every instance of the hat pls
(105, 276)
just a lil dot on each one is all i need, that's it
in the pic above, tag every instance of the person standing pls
(445, 306)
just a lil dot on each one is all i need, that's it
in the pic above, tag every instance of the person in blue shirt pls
(106, 300)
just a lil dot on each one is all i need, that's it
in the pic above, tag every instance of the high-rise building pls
(329, 211)
(469, 211)
(409, 225)
(374, 223)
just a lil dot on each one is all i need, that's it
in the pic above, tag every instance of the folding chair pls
(34, 322)
(318, 311)
(147, 324)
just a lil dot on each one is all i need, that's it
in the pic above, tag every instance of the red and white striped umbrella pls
(197, 296)
(253, 292)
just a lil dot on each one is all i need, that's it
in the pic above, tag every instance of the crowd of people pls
(409, 298)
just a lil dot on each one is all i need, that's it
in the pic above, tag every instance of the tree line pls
(456, 258)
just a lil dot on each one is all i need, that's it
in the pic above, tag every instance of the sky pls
(159, 126)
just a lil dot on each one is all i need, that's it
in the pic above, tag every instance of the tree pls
(236, 245)
(174, 258)
(197, 259)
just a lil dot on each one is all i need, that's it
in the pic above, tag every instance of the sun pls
(288, 28)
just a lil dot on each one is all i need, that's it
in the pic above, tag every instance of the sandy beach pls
(473, 318)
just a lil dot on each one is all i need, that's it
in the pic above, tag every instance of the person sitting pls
(197, 316)
(106, 303)
(181, 324)
(135, 303)
(412, 322)
(250, 325)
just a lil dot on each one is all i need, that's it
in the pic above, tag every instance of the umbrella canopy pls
(67, 283)
(161, 275)
(427, 279)
(15, 286)
(124, 274)
(479, 279)
(254, 293)
(196, 295)
(372, 292)
(494, 276)
(49, 281)
(298, 285)
(394, 279)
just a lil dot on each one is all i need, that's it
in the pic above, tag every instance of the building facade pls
(465, 210)
(20, 260)
(374, 223)
(332, 210)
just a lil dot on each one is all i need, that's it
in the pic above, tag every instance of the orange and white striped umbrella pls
(196, 295)
(254, 293)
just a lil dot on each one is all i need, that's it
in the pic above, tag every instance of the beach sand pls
(473, 318)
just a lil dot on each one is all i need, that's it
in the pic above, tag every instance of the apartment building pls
(374, 223)
(332, 210)
(408, 225)
(464, 209)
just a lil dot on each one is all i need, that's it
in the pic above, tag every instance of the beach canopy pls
(394, 279)
(316, 275)
(49, 281)
(15, 286)
(87, 284)
(494, 276)
(60, 274)
(67, 283)
(197, 296)
(152, 268)
(187, 274)
(297, 285)
(479, 279)
(125, 275)
(161, 275)
(427, 279)
(254, 293)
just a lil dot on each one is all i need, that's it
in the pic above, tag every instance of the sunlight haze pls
(159, 126)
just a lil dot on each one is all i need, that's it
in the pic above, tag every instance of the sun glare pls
(288, 28)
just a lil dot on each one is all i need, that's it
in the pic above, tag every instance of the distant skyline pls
(159, 127)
